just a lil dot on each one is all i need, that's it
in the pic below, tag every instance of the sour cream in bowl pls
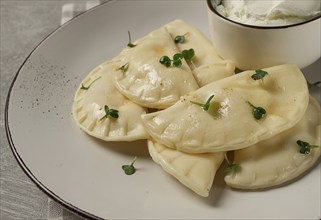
(259, 34)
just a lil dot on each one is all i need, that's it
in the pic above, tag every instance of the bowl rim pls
(213, 10)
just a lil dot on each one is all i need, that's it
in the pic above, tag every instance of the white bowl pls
(255, 47)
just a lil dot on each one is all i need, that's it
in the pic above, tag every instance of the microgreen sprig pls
(124, 68)
(206, 105)
(231, 167)
(179, 39)
(177, 58)
(166, 61)
(305, 147)
(87, 87)
(130, 44)
(259, 75)
(130, 169)
(188, 54)
(110, 112)
(258, 112)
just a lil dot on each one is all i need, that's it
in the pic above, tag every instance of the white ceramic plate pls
(85, 174)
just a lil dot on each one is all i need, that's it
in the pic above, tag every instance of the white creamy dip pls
(269, 12)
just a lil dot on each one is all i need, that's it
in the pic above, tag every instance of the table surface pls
(24, 24)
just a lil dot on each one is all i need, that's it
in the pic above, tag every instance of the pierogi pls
(149, 83)
(195, 171)
(89, 108)
(146, 81)
(201, 111)
(278, 160)
(229, 123)
(207, 66)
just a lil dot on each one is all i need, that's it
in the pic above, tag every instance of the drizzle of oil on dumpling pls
(277, 160)
(229, 123)
(146, 81)
(88, 108)
(207, 66)
(195, 171)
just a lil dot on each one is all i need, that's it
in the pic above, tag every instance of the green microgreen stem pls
(130, 44)
(231, 167)
(227, 160)
(124, 68)
(87, 87)
(179, 39)
(258, 112)
(206, 105)
(130, 169)
(305, 147)
(177, 58)
(110, 112)
(259, 75)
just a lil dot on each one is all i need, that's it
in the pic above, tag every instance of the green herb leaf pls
(87, 87)
(206, 105)
(259, 75)
(113, 113)
(177, 63)
(188, 54)
(258, 112)
(165, 60)
(179, 39)
(177, 58)
(130, 44)
(231, 167)
(130, 169)
(110, 112)
(305, 147)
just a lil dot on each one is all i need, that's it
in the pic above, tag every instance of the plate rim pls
(76, 210)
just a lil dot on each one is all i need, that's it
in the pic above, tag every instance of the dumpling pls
(195, 171)
(146, 81)
(229, 123)
(89, 108)
(207, 66)
(277, 160)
